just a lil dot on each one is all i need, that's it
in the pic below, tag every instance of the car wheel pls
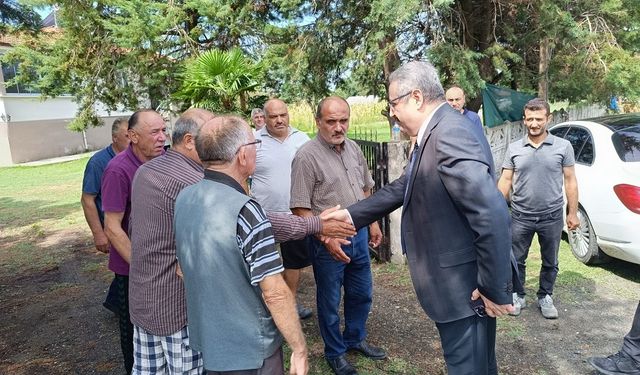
(583, 242)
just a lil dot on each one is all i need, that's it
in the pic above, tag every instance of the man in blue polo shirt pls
(457, 100)
(91, 199)
(535, 168)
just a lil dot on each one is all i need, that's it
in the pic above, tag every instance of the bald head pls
(277, 118)
(456, 98)
(198, 114)
(188, 124)
(220, 138)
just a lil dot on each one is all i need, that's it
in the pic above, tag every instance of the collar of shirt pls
(548, 140)
(170, 153)
(265, 133)
(331, 146)
(132, 156)
(223, 179)
(423, 127)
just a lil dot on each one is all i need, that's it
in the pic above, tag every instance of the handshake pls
(336, 226)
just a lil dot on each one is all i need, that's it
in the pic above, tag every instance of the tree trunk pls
(543, 68)
(478, 22)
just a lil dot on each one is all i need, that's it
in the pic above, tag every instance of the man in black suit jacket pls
(455, 223)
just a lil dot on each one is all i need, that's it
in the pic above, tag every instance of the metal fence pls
(376, 155)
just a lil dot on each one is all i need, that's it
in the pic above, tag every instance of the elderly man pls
(147, 135)
(533, 173)
(326, 171)
(455, 222)
(457, 100)
(232, 272)
(156, 293)
(257, 118)
(271, 184)
(91, 199)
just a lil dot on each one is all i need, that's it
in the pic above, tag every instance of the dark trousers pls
(111, 301)
(549, 230)
(273, 365)
(469, 346)
(631, 343)
(126, 328)
(331, 276)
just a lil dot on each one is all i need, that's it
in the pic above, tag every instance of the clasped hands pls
(333, 241)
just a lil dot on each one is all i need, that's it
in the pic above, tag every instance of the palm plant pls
(218, 80)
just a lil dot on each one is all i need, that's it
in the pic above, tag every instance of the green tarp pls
(500, 104)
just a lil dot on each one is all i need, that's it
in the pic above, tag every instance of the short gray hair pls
(117, 123)
(256, 110)
(182, 127)
(418, 75)
(219, 140)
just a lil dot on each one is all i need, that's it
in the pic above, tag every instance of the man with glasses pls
(455, 222)
(238, 304)
(271, 184)
(147, 134)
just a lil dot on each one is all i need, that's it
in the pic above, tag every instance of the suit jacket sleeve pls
(379, 204)
(465, 166)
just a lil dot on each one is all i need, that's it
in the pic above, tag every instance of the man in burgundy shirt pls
(147, 135)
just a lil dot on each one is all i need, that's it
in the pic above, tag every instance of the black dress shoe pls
(369, 351)
(341, 366)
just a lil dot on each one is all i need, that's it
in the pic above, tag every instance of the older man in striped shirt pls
(157, 296)
(238, 303)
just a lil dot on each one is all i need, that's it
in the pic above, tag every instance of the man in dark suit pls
(455, 222)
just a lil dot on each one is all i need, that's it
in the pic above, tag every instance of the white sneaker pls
(519, 303)
(547, 308)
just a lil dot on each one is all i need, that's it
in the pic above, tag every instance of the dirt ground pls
(53, 321)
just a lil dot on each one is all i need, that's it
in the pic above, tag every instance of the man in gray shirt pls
(535, 168)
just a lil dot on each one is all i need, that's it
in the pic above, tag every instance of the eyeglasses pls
(394, 102)
(257, 142)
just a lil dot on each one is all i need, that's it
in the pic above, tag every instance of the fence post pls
(397, 159)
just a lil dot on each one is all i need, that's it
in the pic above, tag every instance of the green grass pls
(577, 281)
(35, 202)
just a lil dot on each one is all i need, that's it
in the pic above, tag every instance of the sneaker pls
(547, 308)
(619, 363)
(304, 312)
(518, 303)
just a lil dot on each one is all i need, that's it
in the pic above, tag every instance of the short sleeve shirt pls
(322, 177)
(538, 174)
(93, 176)
(271, 181)
(116, 197)
(253, 234)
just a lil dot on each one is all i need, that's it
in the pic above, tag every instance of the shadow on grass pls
(626, 270)
(15, 213)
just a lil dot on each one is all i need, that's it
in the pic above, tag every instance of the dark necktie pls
(412, 160)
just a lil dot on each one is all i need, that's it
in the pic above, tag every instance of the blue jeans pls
(331, 276)
(548, 227)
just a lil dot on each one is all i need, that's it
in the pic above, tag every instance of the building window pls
(9, 71)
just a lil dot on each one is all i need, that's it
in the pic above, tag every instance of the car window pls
(586, 154)
(578, 137)
(559, 131)
(627, 144)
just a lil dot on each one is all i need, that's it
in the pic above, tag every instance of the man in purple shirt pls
(91, 198)
(147, 135)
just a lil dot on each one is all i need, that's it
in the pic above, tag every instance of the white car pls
(607, 151)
